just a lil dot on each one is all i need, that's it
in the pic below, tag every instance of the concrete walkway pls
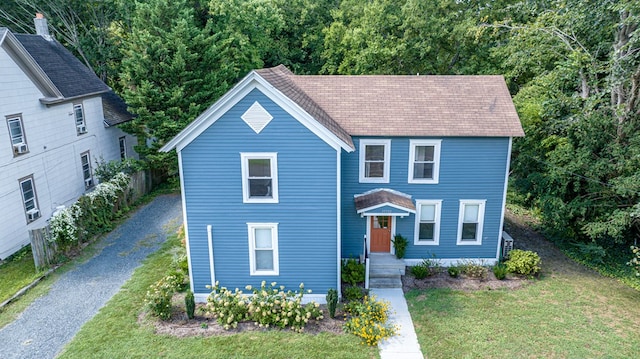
(52, 320)
(403, 345)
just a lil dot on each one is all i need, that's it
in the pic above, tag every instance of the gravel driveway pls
(52, 320)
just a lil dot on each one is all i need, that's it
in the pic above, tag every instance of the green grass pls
(17, 273)
(115, 332)
(563, 315)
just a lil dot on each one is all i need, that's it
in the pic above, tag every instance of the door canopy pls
(384, 202)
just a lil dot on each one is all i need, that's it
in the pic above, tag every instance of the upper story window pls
(424, 161)
(375, 158)
(29, 198)
(470, 222)
(16, 135)
(263, 248)
(259, 177)
(122, 142)
(427, 231)
(85, 160)
(81, 124)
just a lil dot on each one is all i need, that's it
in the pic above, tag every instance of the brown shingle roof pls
(383, 196)
(381, 105)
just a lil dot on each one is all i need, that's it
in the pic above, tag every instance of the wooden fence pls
(46, 252)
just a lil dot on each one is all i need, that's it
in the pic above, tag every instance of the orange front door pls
(381, 234)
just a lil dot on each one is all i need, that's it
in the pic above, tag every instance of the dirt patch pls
(442, 279)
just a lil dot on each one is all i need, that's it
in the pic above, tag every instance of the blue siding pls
(306, 212)
(470, 168)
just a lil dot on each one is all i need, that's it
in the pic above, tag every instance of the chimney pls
(42, 28)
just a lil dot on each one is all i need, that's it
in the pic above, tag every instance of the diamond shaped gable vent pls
(257, 117)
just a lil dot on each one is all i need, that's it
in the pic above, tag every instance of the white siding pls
(54, 152)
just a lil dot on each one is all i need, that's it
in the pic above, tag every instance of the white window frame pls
(481, 207)
(273, 157)
(251, 227)
(436, 227)
(122, 144)
(79, 120)
(33, 199)
(86, 155)
(387, 160)
(436, 160)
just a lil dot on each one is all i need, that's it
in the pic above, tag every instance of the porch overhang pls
(384, 202)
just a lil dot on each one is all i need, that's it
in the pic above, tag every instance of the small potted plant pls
(400, 244)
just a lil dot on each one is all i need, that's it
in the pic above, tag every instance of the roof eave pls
(56, 100)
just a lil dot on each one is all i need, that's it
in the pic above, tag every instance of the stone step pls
(394, 282)
(384, 272)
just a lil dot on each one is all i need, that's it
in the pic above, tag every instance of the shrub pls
(454, 271)
(500, 271)
(474, 270)
(353, 293)
(227, 307)
(352, 271)
(420, 271)
(105, 171)
(190, 304)
(332, 302)
(369, 320)
(158, 297)
(635, 261)
(523, 262)
(400, 244)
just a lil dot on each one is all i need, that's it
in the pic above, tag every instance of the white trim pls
(339, 221)
(212, 269)
(244, 164)
(392, 235)
(463, 203)
(184, 222)
(200, 297)
(448, 262)
(368, 234)
(408, 210)
(436, 160)
(387, 160)
(436, 227)
(250, 82)
(274, 243)
(504, 199)
(307, 298)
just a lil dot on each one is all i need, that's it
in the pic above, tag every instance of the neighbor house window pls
(259, 177)
(29, 199)
(85, 160)
(263, 248)
(16, 135)
(81, 124)
(375, 160)
(427, 231)
(424, 161)
(470, 222)
(122, 142)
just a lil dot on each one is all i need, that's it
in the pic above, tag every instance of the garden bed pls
(442, 279)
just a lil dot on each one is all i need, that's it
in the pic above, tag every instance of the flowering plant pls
(369, 320)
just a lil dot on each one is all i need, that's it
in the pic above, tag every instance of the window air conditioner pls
(33, 214)
(507, 244)
(81, 129)
(20, 148)
(88, 182)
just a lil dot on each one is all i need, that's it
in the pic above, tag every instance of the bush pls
(473, 270)
(523, 262)
(190, 304)
(369, 320)
(158, 297)
(635, 261)
(500, 271)
(332, 302)
(454, 271)
(353, 293)
(426, 268)
(400, 244)
(352, 271)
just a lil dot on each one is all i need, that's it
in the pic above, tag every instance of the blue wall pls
(470, 168)
(306, 212)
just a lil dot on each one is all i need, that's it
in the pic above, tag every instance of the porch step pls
(394, 282)
(384, 272)
(379, 262)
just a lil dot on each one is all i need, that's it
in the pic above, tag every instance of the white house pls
(59, 118)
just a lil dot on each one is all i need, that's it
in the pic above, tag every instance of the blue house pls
(286, 175)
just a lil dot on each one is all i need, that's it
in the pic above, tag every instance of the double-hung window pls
(263, 248)
(427, 231)
(259, 177)
(470, 222)
(375, 158)
(424, 161)
(16, 134)
(122, 142)
(29, 199)
(85, 161)
(81, 124)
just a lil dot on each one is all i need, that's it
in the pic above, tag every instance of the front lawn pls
(116, 333)
(16, 273)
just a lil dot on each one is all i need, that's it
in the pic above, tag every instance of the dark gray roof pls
(381, 197)
(115, 109)
(68, 74)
